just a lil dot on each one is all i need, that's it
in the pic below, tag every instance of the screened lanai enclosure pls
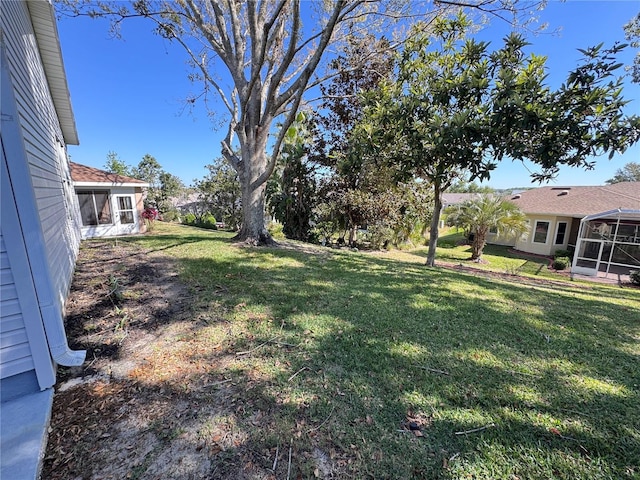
(608, 243)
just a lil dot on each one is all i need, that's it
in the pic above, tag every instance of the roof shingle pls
(83, 173)
(579, 201)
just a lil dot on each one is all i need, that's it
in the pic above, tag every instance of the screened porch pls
(608, 243)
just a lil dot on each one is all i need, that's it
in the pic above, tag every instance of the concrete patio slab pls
(23, 435)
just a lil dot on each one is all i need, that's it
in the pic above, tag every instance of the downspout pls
(20, 177)
(57, 338)
(50, 307)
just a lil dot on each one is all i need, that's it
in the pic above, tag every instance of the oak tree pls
(260, 56)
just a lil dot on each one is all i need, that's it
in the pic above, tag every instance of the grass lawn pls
(495, 257)
(359, 365)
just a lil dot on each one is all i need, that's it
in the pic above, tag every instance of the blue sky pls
(128, 94)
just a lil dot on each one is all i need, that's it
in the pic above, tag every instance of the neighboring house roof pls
(578, 201)
(84, 176)
(457, 198)
(183, 200)
(46, 31)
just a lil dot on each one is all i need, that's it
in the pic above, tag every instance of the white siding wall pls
(44, 145)
(116, 228)
(15, 353)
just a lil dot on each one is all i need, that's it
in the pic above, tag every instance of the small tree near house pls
(461, 109)
(486, 212)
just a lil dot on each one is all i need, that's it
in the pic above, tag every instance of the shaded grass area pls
(339, 352)
(497, 258)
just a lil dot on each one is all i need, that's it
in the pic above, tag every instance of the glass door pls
(126, 214)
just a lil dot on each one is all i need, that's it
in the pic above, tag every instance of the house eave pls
(556, 214)
(109, 184)
(622, 212)
(46, 31)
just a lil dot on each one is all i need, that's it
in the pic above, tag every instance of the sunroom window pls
(95, 208)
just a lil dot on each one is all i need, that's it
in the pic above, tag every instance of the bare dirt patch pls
(154, 399)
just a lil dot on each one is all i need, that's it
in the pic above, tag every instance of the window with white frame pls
(125, 209)
(561, 233)
(541, 231)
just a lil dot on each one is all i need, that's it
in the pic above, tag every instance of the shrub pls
(323, 231)
(634, 275)
(378, 236)
(189, 219)
(560, 263)
(563, 253)
(172, 215)
(150, 215)
(208, 221)
(275, 229)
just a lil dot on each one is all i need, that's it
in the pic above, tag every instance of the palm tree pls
(484, 213)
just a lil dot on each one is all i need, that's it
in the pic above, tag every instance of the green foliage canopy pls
(455, 108)
(115, 164)
(632, 33)
(629, 173)
(220, 192)
(293, 198)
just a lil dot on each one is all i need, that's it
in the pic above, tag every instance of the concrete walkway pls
(23, 435)
(603, 277)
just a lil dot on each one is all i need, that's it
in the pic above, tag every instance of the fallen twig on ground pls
(515, 372)
(283, 344)
(325, 421)
(247, 352)
(574, 411)
(474, 430)
(275, 461)
(433, 370)
(221, 382)
(296, 374)
(289, 466)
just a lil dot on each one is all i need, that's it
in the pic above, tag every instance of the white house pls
(39, 229)
(110, 204)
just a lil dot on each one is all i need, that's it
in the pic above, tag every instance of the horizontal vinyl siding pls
(12, 338)
(12, 321)
(15, 352)
(44, 147)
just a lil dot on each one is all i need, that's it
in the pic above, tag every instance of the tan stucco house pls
(602, 223)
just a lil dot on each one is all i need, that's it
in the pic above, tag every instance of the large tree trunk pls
(435, 224)
(253, 230)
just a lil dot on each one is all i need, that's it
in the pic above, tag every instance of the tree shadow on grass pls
(340, 351)
(371, 307)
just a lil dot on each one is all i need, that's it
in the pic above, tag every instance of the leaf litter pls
(157, 398)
